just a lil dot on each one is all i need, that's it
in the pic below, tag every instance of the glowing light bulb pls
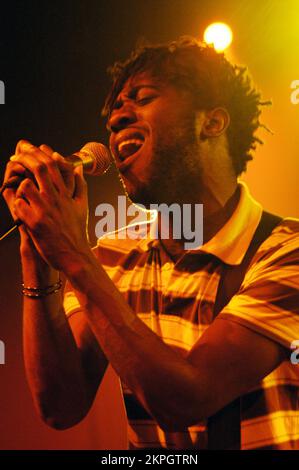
(218, 34)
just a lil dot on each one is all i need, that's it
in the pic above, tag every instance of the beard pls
(175, 171)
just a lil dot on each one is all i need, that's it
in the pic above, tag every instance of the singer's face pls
(154, 142)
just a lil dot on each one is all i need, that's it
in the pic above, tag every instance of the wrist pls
(37, 292)
(28, 250)
(82, 270)
(36, 271)
(79, 264)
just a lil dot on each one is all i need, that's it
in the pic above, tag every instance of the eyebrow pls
(134, 90)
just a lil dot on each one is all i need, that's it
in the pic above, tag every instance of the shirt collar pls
(231, 242)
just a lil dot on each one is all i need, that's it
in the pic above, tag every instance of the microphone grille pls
(100, 155)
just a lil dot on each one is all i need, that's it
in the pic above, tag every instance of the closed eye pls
(145, 100)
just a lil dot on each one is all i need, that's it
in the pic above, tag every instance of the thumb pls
(80, 192)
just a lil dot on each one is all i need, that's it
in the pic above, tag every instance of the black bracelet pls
(38, 292)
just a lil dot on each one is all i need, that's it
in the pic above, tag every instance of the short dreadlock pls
(212, 80)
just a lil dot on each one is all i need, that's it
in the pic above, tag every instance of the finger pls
(21, 145)
(39, 171)
(23, 231)
(13, 175)
(37, 162)
(80, 192)
(23, 212)
(46, 149)
(29, 191)
(13, 169)
(65, 168)
(67, 172)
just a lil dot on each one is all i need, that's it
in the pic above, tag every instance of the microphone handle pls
(83, 158)
(88, 164)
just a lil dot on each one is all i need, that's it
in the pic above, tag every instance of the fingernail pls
(27, 145)
(56, 154)
(13, 158)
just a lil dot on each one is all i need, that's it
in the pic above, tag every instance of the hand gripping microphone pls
(93, 156)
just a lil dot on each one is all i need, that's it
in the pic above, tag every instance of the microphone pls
(93, 156)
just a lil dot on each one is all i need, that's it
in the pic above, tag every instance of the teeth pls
(128, 142)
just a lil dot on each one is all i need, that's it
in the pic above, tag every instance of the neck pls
(215, 214)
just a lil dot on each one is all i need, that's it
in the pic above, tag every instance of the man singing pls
(185, 344)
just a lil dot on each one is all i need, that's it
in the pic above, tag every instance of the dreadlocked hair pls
(212, 81)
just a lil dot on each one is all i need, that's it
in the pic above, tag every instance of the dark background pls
(53, 61)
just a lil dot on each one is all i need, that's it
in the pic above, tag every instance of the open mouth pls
(128, 147)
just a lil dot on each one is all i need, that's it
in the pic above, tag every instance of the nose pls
(121, 117)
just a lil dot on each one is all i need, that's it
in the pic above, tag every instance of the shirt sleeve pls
(268, 300)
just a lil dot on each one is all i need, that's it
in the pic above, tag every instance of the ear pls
(215, 123)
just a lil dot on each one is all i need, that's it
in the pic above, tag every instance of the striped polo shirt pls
(176, 300)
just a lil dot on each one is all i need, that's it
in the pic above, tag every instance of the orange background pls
(54, 70)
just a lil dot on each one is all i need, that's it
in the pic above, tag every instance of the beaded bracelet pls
(39, 292)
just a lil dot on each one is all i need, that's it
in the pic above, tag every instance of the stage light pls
(218, 34)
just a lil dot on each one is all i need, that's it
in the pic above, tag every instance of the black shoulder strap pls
(224, 426)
